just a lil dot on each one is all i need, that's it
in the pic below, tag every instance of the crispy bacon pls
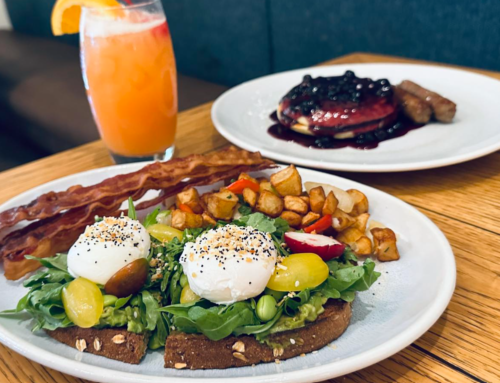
(159, 175)
(57, 233)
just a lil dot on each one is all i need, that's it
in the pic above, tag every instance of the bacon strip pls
(159, 175)
(46, 237)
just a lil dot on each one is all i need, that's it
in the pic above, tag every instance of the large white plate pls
(242, 116)
(409, 297)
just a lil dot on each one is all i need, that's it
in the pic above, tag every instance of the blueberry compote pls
(343, 105)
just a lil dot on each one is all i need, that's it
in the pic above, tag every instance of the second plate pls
(242, 116)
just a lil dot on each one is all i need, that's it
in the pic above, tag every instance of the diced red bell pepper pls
(320, 225)
(185, 208)
(237, 186)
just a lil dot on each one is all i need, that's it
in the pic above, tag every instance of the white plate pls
(412, 294)
(242, 116)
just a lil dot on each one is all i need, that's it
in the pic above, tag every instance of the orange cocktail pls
(129, 71)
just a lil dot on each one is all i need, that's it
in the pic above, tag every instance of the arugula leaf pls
(59, 261)
(120, 302)
(150, 307)
(214, 322)
(151, 218)
(369, 277)
(175, 287)
(263, 223)
(131, 209)
(259, 328)
(245, 210)
(349, 255)
(291, 305)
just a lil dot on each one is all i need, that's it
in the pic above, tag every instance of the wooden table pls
(463, 200)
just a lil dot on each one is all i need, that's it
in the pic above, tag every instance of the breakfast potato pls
(385, 244)
(287, 181)
(296, 204)
(249, 196)
(270, 204)
(309, 218)
(191, 198)
(204, 199)
(306, 199)
(293, 219)
(360, 202)
(357, 240)
(330, 205)
(341, 220)
(363, 246)
(182, 220)
(221, 205)
(245, 176)
(208, 220)
(317, 199)
(266, 185)
(361, 221)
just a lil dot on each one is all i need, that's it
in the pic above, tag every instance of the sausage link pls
(444, 110)
(414, 108)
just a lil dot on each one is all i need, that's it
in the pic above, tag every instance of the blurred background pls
(219, 44)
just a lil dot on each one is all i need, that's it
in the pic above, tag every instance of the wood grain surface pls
(463, 200)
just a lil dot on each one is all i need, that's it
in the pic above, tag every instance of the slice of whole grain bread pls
(113, 343)
(195, 351)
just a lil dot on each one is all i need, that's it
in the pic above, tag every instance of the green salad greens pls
(157, 307)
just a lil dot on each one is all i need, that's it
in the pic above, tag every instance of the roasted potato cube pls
(245, 176)
(208, 220)
(182, 220)
(330, 205)
(270, 204)
(266, 185)
(296, 204)
(204, 199)
(262, 179)
(221, 205)
(363, 246)
(306, 199)
(360, 202)
(349, 235)
(385, 244)
(361, 222)
(317, 199)
(287, 181)
(293, 219)
(357, 240)
(191, 198)
(249, 196)
(341, 220)
(309, 218)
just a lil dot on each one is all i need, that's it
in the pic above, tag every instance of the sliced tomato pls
(237, 187)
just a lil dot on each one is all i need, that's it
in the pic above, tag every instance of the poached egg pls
(229, 264)
(107, 246)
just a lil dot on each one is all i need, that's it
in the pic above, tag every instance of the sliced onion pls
(345, 200)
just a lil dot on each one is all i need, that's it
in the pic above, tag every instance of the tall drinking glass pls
(129, 71)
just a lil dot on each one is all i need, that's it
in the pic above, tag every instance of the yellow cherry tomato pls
(188, 295)
(164, 232)
(299, 272)
(83, 302)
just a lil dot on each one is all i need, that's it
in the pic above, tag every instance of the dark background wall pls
(230, 41)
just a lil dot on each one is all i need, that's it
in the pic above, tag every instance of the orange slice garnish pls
(66, 14)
